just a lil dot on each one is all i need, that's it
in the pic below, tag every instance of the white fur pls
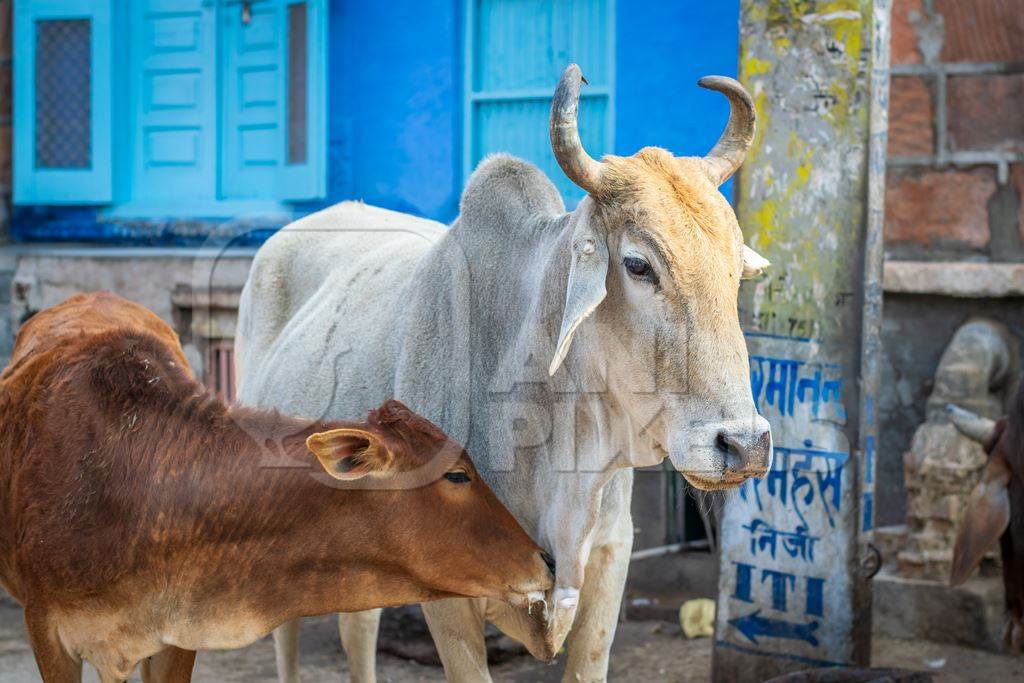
(354, 304)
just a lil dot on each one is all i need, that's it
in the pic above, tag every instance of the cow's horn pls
(971, 425)
(730, 150)
(581, 168)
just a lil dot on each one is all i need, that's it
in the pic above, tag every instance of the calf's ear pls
(985, 520)
(349, 454)
(585, 289)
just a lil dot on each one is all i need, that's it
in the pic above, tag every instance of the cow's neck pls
(220, 512)
(588, 429)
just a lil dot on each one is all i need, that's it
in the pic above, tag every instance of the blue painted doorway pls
(178, 107)
(227, 96)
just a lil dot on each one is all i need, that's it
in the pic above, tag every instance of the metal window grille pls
(297, 26)
(63, 83)
(220, 368)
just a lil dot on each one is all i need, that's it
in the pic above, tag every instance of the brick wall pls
(956, 138)
(5, 112)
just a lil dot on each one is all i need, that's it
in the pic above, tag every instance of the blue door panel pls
(259, 158)
(251, 99)
(174, 99)
(516, 51)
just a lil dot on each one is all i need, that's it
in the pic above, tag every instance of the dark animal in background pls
(995, 509)
(139, 523)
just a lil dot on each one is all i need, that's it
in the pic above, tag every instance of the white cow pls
(564, 349)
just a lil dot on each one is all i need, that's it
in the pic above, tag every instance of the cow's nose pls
(550, 562)
(750, 458)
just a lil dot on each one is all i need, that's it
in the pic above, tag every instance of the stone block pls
(954, 279)
(985, 111)
(971, 614)
(939, 207)
(982, 30)
(911, 116)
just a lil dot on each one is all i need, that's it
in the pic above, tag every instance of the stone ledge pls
(972, 614)
(961, 279)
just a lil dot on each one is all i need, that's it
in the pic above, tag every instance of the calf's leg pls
(55, 664)
(457, 626)
(286, 651)
(172, 665)
(358, 631)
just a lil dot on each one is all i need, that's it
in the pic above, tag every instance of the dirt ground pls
(644, 651)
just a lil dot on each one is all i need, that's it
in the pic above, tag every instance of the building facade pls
(157, 143)
(146, 129)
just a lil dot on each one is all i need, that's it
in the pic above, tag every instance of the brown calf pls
(995, 509)
(137, 520)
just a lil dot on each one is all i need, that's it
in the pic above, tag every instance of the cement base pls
(972, 614)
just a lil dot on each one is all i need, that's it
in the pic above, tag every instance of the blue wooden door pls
(273, 139)
(516, 51)
(173, 85)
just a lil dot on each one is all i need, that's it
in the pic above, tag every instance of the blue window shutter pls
(515, 54)
(304, 59)
(62, 101)
(273, 95)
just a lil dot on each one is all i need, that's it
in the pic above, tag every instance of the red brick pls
(904, 36)
(911, 122)
(986, 111)
(5, 91)
(5, 157)
(5, 30)
(1017, 178)
(982, 30)
(939, 207)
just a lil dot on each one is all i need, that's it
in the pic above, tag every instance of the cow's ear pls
(984, 521)
(348, 454)
(587, 275)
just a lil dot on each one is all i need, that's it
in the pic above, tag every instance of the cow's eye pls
(639, 268)
(457, 477)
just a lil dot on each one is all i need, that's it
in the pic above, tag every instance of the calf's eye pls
(457, 477)
(639, 268)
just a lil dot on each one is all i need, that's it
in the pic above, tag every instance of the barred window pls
(63, 81)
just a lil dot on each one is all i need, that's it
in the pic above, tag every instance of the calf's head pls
(995, 509)
(427, 511)
(657, 259)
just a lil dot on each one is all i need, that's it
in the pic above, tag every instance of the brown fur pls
(1005, 452)
(138, 513)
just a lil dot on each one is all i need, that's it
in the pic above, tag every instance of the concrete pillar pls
(792, 591)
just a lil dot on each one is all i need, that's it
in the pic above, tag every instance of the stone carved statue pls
(978, 371)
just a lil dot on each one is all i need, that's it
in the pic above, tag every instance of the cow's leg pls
(172, 665)
(286, 651)
(590, 639)
(55, 664)
(358, 631)
(457, 626)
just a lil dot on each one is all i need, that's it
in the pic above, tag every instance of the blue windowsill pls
(250, 225)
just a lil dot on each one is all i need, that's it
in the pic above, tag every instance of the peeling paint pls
(802, 205)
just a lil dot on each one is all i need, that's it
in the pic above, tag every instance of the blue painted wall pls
(394, 106)
(395, 92)
(663, 48)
